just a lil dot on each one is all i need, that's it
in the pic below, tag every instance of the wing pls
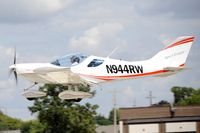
(56, 75)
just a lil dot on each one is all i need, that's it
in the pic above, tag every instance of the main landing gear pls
(32, 94)
(69, 95)
(74, 95)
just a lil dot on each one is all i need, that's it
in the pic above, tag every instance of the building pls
(160, 119)
(106, 129)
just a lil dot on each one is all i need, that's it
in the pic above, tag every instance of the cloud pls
(128, 91)
(174, 9)
(7, 90)
(6, 51)
(98, 39)
(30, 10)
(166, 39)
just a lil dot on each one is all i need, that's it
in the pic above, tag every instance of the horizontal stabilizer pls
(174, 69)
(171, 70)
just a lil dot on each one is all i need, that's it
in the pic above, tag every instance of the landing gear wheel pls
(74, 100)
(30, 99)
(78, 100)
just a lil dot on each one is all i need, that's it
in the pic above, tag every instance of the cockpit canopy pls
(69, 60)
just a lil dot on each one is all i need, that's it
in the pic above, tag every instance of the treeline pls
(8, 123)
(34, 126)
(182, 96)
(102, 120)
(186, 96)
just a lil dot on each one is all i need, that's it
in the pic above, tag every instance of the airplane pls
(79, 69)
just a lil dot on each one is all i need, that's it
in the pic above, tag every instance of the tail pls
(175, 54)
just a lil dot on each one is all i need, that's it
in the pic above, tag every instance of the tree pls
(101, 120)
(33, 126)
(61, 115)
(162, 103)
(194, 99)
(111, 115)
(186, 96)
(8, 123)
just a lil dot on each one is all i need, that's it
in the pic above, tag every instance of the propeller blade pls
(13, 67)
(14, 56)
(16, 78)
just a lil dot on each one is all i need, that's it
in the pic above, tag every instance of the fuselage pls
(93, 70)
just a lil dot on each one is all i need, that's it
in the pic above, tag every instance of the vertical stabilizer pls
(175, 54)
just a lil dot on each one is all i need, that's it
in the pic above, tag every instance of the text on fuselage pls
(124, 69)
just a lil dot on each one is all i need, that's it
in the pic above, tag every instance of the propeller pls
(13, 67)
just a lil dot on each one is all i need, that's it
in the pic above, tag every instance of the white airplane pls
(79, 69)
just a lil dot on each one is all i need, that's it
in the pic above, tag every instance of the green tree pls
(111, 115)
(8, 123)
(64, 116)
(194, 99)
(101, 120)
(186, 96)
(33, 126)
(162, 103)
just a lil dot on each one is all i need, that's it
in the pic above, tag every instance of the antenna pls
(113, 51)
(150, 97)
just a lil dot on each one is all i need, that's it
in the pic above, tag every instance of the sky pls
(44, 30)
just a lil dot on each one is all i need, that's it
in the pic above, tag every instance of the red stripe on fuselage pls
(182, 65)
(108, 78)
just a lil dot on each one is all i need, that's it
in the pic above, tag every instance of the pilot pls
(75, 60)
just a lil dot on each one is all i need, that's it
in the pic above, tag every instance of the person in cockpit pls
(75, 60)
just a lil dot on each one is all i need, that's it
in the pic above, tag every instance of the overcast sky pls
(42, 30)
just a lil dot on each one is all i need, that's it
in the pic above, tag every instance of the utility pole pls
(115, 114)
(114, 110)
(134, 103)
(150, 97)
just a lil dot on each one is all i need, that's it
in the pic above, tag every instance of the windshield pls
(69, 60)
(95, 63)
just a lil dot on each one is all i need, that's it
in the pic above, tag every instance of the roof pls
(159, 114)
